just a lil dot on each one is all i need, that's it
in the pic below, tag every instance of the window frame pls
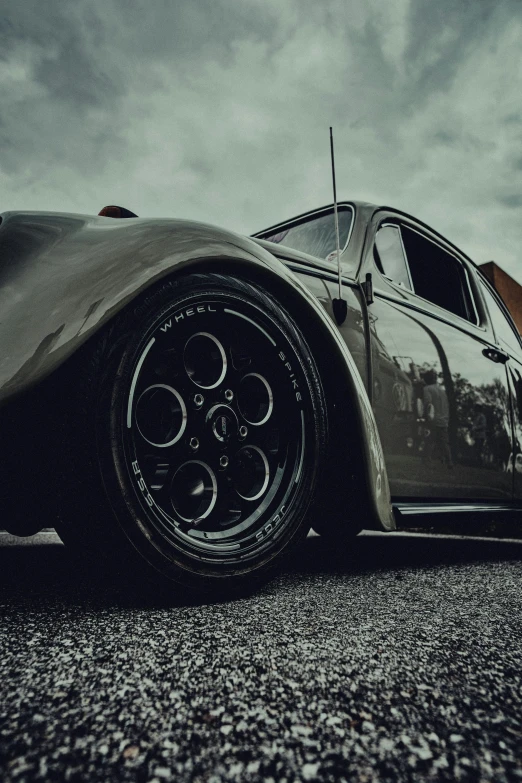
(408, 272)
(307, 218)
(483, 280)
(468, 289)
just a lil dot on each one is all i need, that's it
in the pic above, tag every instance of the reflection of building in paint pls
(509, 290)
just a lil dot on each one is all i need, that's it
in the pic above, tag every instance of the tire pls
(191, 437)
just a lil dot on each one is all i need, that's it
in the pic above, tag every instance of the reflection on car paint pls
(441, 407)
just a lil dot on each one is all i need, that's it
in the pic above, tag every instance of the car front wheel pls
(191, 436)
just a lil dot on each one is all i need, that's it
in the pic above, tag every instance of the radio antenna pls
(340, 307)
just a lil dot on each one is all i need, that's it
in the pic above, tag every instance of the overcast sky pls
(218, 110)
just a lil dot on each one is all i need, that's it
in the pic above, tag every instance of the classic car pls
(183, 403)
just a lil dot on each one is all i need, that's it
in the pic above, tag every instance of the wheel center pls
(223, 422)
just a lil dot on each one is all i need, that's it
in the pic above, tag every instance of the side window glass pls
(501, 325)
(390, 255)
(437, 275)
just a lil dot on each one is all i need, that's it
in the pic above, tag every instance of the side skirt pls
(487, 518)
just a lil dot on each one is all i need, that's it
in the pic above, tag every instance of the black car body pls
(421, 380)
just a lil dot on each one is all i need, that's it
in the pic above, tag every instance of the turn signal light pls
(116, 212)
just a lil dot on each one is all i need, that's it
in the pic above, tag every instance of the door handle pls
(496, 355)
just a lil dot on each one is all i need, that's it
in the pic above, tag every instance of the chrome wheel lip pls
(223, 358)
(183, 415)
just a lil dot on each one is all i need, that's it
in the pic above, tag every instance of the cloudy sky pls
(218, 110)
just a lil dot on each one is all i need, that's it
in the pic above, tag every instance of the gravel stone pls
(399, 660)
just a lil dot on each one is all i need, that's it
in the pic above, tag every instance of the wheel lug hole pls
(243, 432)
(194, 444)
(229, 395)
(198, 400)
(223, 462)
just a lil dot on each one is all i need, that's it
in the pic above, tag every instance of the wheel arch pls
(132, 267)
(358, 473)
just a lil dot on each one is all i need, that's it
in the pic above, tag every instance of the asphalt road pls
(399, 661)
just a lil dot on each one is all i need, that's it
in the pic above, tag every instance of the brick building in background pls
(509, 290)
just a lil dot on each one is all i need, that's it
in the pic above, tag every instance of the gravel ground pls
(399, 661)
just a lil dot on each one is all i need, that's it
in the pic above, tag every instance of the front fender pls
(63, 276)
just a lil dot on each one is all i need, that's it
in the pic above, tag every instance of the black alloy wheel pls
(203, 430)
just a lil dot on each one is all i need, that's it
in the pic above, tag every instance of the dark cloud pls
(445, 137)
(68, 45)
(513, 119)
(219, 110)
(513, 201)
(440, 36)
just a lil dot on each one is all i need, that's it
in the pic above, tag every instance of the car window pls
(437, 275)
(315, 236)
(390, 256)
(503, 330)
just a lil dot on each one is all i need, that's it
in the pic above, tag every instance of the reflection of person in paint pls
(479, 433)
(435, 397)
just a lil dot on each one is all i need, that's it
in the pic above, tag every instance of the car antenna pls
(340, 307)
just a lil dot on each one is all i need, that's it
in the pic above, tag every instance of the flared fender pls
(63, 276)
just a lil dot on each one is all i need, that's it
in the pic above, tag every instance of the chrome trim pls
(301, 219)
(135, 380)
(417, 307)
(410, 509)
(466, 272)
(407, 263)
(398, 223)
(491, 290)
(459, 261)
(391, 213)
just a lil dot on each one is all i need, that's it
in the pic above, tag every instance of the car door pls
(440, 394)
(508, 345)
